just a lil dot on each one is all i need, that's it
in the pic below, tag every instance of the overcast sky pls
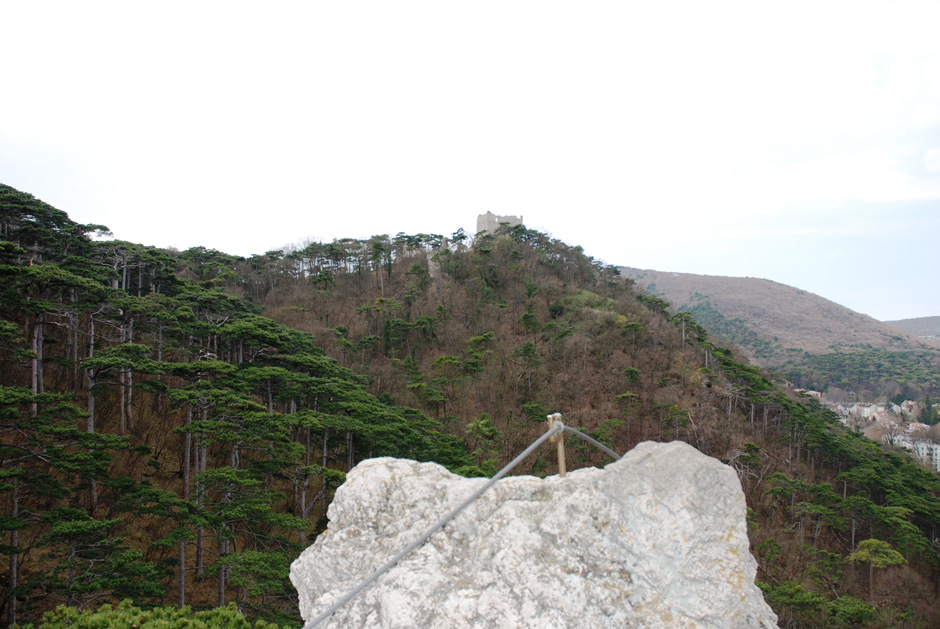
(796, 141)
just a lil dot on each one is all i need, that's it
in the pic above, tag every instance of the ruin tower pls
(490, 222)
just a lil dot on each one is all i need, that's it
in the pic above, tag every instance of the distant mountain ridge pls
(771, 322)
(924, 327)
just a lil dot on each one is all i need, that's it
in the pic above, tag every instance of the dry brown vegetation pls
(781, 315)
(616, 365)
(927, 328)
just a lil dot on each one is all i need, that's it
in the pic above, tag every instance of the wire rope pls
(593, 441)
(555, 427)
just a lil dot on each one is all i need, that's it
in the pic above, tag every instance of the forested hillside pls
(174, 423)
(162, 440)
(816, 343)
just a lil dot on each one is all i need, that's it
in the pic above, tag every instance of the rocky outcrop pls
(657, 539)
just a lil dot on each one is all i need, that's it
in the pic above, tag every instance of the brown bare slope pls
(770, 321)
(925, 327)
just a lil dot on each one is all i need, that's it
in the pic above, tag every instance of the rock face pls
(657, 539)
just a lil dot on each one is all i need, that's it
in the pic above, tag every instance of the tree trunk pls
(36, 379)
(160, 342)
(181, 590)
(73, 341)
(90, 422)
(41, 381)
(326, 435)
(187, 451)
(223, 551)
(90, 428)
(122, 401)
(70, 599)
(187, 461)
(350, 451)
(303, 489)
(129, 379)
(14, 556)
(200, 498)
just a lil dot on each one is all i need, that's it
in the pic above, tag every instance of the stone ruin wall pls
(490, 222)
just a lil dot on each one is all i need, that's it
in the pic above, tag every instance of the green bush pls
(127, 616)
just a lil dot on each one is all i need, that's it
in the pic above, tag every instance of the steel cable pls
(555, 427)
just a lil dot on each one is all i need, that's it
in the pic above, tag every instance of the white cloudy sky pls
(796, 141)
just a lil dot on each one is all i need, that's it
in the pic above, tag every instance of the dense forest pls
(879, 373)
(174, 423)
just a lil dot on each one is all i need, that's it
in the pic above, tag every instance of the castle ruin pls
(489, 222)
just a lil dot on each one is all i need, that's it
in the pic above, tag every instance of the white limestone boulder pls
(657, 539)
